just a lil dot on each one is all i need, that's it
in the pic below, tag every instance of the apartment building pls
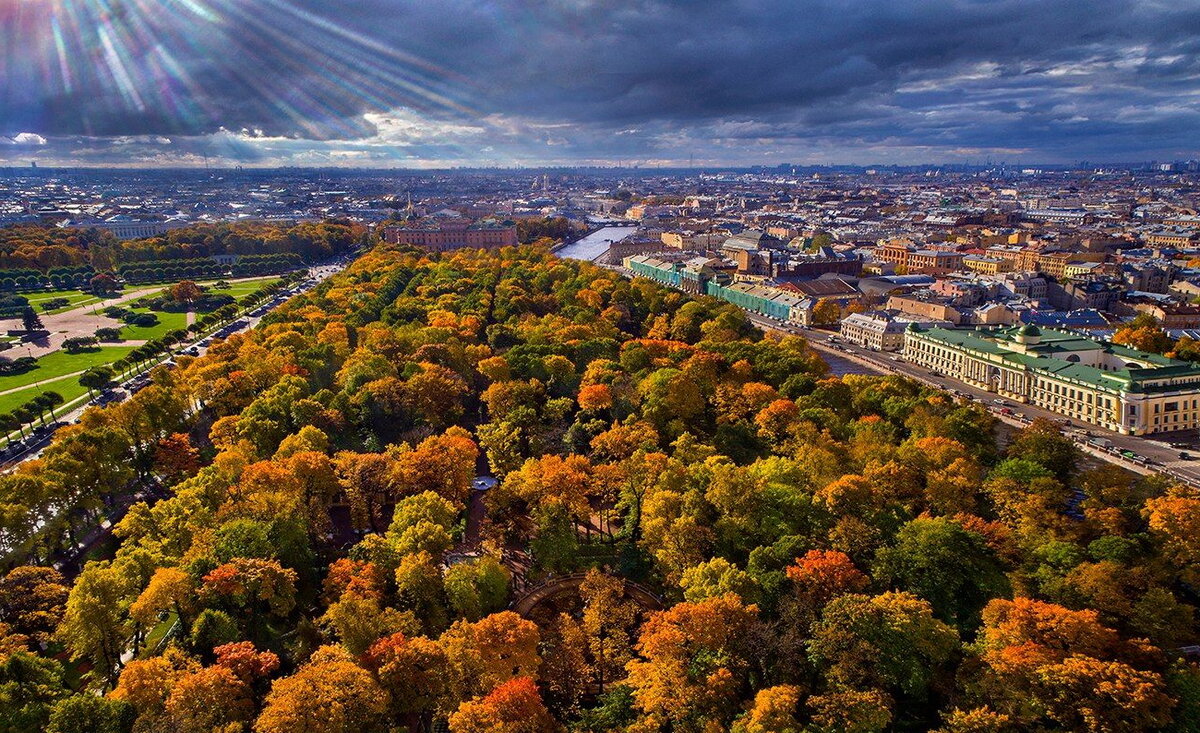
(1172, 237)
(934, 261)
(986, 265)
(877, 331)
(925, 309)
(1018, 256)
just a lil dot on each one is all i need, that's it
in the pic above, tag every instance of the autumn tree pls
(487, 653)
(359, 621)
(826, 312)
(694, 661)
(608, 625)
(213, 698)
(170, 589)
(329, 694)
(816, 579)
(414, 671)
(1175, 523)
(1046, 663)
(567, 667)
(512, 707)
(774, 709)
(862, 711)
(245, 662)
(185, 292)
(253, 585)
(94, 626)
(32, 601)
(175, 457)
(145, 684)
(1144, 336)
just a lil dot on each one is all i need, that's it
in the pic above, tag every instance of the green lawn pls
(50, 375)
(166, 322)
(243, 288)
(77, 298)
(68, 387)
(58, 363)
(237, 288)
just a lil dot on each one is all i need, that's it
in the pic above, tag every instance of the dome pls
(912, 327)
(1029, 330)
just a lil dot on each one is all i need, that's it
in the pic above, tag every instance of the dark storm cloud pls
(593, 79)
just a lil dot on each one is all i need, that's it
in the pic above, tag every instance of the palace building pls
(440, 233)
(1114, 387)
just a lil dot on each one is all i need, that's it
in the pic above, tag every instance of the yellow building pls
(1117, 388)
(986, 265)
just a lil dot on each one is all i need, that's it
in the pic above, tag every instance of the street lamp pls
(36, 382)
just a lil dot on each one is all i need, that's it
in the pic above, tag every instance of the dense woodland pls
(44, 249)
(810, 553)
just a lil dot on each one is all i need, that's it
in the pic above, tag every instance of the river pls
(596, 243)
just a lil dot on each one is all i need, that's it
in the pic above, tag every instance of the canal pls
(596, 243)
(841, 366)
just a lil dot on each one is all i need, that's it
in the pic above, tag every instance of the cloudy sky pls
(432, 83)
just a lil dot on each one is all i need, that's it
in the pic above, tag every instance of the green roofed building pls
(1121, 389)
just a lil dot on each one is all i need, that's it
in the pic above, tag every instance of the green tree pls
(476, 588)
(86, 713)
(1044, 444)
(96, 378)
(49, 400)
(889, 642)
(29, 687)
(95, 627)
(946, 565)
(30, 320)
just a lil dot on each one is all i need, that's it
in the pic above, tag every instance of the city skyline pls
(388, 84)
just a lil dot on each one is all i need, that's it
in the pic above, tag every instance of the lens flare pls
(198, 66)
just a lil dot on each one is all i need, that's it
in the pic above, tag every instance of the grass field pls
(77, 298)
(50, 375)
(170, 321)
(166, 322)
(50, 372)
(58, 363)
(241, 289)
(68, 387)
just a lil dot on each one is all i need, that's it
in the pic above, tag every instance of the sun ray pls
(195, 66)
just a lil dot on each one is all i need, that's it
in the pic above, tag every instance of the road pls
(1155, 455)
